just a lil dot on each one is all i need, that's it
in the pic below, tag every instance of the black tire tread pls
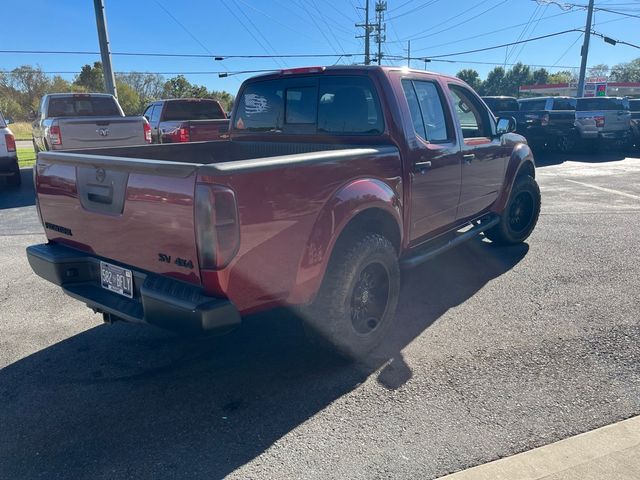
(500, 234)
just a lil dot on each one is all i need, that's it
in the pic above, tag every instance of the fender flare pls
(521, 157)
(347, 203)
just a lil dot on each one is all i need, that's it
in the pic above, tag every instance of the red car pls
(333, 179)
(187, 120)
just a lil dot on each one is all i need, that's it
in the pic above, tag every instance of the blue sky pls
(228, 27)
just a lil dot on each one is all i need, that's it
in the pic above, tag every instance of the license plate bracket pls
(116, 279)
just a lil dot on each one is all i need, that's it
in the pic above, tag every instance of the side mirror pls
(32, 115)
(506, 125)
(8, 120)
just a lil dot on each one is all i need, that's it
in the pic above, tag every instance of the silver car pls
(603, 118)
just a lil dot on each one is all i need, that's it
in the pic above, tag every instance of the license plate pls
(116, 279)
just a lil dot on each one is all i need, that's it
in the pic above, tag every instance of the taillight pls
(599, 121)
(55, 137)
(10, 141)
(544, 120)
(217, 225)
(147, 132)
(183, 135)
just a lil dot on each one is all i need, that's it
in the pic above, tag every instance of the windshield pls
(591, 104)
(193, 110)
(2, 122)
(634, 105)
(83, 106)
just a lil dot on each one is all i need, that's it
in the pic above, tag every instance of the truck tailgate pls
(135, 212)
(93, 132)
(203, 130)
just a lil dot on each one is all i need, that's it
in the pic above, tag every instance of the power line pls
(505, 44)
(185, 55)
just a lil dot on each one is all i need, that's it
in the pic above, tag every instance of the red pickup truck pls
(333, 179)
(187, 120)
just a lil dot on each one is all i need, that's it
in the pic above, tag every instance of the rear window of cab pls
(332, 105)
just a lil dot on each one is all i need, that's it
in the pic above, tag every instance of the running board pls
(428, 252)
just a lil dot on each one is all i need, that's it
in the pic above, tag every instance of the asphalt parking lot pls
(497, 350)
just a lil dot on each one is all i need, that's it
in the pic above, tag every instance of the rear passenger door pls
(434, 159)
(484, 158)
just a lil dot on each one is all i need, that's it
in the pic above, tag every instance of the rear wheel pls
(358, 297)
(520, 215)
(566, 143)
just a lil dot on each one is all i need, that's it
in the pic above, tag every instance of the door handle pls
(468, 158)
(422, 166)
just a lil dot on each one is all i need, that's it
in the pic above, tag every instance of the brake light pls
(544, 120)
(55, 136)
(217, 225)
(147, 132)
(599, 121)
(295, 71)
(183, 135)
(10, 141)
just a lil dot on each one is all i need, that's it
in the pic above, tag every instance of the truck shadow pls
(125, 401)
(545, 159)
(23, 196)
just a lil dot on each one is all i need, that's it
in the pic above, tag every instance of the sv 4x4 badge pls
(180, 262)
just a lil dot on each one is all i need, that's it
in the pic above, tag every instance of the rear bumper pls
(615, 135)
(157, 300)
(9, 166)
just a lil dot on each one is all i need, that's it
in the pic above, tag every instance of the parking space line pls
(603, 189)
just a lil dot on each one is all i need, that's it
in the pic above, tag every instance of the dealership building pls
(591, 89)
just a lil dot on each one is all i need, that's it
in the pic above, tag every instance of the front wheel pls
(520, 215)
(357, 300)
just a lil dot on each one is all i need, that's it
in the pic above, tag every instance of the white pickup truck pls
(67, 121)
(8, 156)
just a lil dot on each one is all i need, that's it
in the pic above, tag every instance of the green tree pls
(148, 86)
(563, 76)
(177, 87)
(471, 77)
(91, 78)
(494, 84)
(626, 72)
(28, 84)
(517, 76)
(540, 76)
(128, 99)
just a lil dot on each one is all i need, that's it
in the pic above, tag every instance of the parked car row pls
(330, 181)
(564, 122)
(8, 155)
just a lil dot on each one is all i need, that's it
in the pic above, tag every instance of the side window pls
(564, 104)
(432, 112)
(414, 108)
(301, 105)
(473, 118)
(532, 105)
(155, 114)
(147, 112)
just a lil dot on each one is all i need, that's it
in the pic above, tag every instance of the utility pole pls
(105, 51)
(585, 50)
(408, 53)
(381, 7)
(367, 33)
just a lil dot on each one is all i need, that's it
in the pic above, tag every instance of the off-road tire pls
(520, 214)
(339, 319)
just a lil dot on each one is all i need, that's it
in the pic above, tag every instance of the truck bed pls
(130, 206)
